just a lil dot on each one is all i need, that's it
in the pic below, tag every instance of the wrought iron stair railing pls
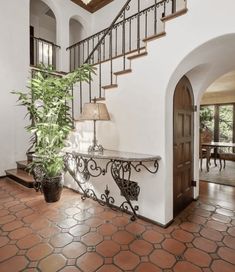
(43, 52)
(128, 33)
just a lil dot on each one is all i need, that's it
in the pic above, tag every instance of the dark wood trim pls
(31, 44)
(94, 5)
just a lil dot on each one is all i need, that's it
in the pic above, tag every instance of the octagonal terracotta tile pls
(153, 236)
(173, 246)
(162, 258)
(205, 244)
(20, 233)
(90, 262)
(79, 230)
(222, 266)
(135, 228)
(123, 237)
(108, 248)
(7, 251)
(67, 223)
(147, 267)
(53, 262)
(107, 229)
(28, 241)
(3, 241)
(228, 254)
(186, 266)
(74, 250)
(16, 263)
(211, 234)
(126, 260)
(39, 251)
(141, 247)
(61, 239)
(182, 236)
(92, 239)
(198, 257)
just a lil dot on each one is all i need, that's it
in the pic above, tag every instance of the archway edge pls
(203, 65)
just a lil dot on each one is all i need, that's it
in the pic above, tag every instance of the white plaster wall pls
(141, 107)
(14, 63)
(14, 68)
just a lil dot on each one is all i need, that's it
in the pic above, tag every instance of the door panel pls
(183, 145)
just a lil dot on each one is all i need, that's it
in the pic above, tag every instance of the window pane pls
(226, 123)
(207, 118)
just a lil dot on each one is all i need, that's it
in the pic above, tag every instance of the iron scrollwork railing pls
(121, 172)
(126, 34)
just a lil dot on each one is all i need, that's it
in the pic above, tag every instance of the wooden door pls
(183, 145)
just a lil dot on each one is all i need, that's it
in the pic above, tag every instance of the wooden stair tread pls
(98, 99)
(21, 177)
(122, 72)
(111, 86)
(138, 55)
(174, 15)
(156, 36)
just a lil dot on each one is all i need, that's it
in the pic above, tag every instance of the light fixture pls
(95, 112)
(86, 2)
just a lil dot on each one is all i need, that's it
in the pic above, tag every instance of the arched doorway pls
(76, 34)
(43, 46)
(183, 150)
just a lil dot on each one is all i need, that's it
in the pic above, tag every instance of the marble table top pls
(115, 155)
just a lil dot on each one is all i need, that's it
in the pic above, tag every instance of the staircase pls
(21, 174)
(113, 49)
(112, 52)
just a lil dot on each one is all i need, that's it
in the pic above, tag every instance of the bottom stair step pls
(21, 177)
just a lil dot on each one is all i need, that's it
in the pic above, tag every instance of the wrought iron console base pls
(85, 165)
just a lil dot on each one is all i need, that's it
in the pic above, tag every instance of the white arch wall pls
(141, 107)
(14, 68)
(64, 10)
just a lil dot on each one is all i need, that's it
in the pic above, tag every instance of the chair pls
(205, 152)
(225, 156)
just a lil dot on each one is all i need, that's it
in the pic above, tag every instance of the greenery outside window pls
(220, 120)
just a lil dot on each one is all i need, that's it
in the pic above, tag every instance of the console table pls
(120, 165)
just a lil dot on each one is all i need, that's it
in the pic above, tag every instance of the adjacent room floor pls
(225, 176)
(75, 235)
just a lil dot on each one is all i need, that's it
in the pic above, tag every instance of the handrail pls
(108, 30)
(116, 24)
(43, 40)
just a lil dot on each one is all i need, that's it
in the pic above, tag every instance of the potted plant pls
(47, 103)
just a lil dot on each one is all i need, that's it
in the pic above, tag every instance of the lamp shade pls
(95, 111)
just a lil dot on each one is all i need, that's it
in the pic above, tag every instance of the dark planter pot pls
(52, 188)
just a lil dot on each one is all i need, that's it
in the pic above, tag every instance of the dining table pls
(215, 146)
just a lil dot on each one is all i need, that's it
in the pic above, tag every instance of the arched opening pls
(42, 34)
(202, 66)
(217, 131)
(76, 34)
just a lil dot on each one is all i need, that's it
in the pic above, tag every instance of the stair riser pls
(20, 181)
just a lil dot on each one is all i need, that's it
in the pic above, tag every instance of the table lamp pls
(95, 112)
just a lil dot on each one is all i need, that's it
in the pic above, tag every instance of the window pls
(220, 120)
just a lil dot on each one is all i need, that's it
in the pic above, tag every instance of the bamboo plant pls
(47, 103)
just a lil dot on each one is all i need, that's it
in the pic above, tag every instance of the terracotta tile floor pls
(74, 235)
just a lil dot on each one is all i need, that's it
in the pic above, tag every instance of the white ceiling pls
(224, 83)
